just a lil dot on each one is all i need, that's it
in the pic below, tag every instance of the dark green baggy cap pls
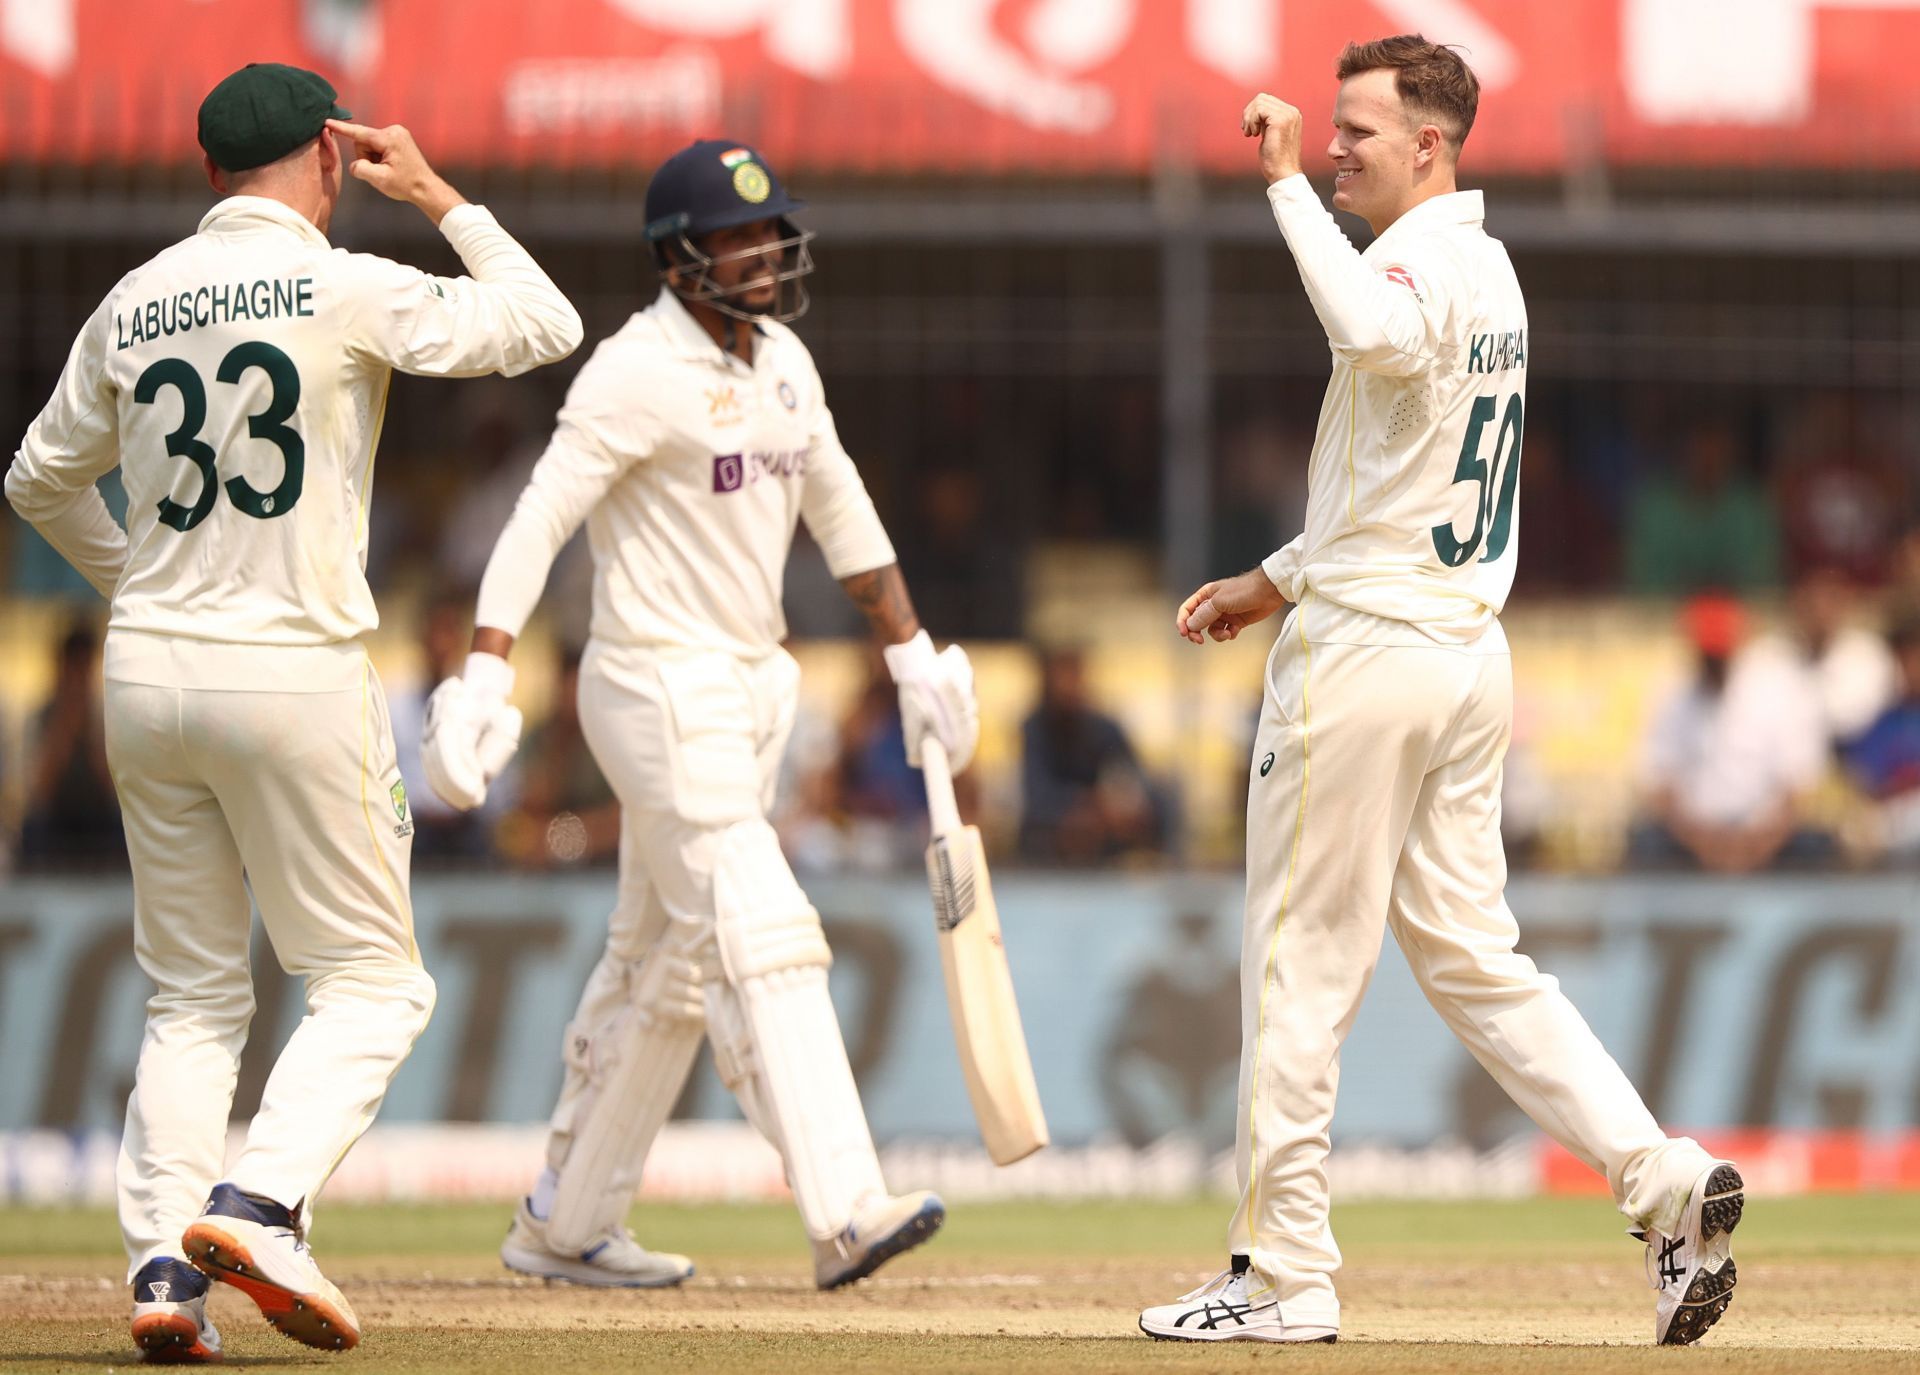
(263, 112)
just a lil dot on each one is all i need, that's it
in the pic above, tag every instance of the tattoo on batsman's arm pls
(881, 595)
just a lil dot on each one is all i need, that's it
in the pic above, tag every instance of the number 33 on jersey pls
(239, 380)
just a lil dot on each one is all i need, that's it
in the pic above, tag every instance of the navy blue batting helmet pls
(719, 184)
(713, 184)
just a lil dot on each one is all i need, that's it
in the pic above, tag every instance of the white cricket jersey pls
(691, 468)
(239, 380)
(1413, 484)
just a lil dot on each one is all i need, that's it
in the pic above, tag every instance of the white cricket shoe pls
(170, 1324)
(613, 1260)
(256, 1245)
(1224, 1310)
(881, 1229)
(1693, 1270)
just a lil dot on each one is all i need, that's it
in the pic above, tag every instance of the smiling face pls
(1384, 155)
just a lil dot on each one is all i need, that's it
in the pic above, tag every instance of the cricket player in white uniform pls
(238, 380)
(691, 444)
(1374, 796)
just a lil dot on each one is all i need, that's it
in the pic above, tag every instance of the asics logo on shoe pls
(1216, 1315)
(1671, 1271)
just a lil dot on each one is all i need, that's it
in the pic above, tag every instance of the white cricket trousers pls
(1374, 800)
(297, 796)
(691, 742)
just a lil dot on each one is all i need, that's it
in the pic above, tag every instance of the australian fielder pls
(691, 444)
(1374, 797)
(238, 379)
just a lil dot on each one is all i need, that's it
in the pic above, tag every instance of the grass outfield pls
(1827, 1284)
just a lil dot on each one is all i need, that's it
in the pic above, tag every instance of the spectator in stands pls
(1854, 671)
(1732, 757)
(964, 576)
(1906, 565)
(567, 814)
(1885, 759)
(440, 834)
(72, 815)
(1707, 526)
(874, 782)
(1086, 797)
(1840, 494)
(863, 806)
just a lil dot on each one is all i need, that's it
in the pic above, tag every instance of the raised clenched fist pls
(1277, 125)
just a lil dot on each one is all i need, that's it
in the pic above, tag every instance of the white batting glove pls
(936, 698)
(470, 732)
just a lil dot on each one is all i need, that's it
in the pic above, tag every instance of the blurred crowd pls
(1793, 741)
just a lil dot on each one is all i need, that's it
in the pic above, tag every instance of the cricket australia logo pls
(397, 794)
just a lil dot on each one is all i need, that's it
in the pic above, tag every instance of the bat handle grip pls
(942, 811)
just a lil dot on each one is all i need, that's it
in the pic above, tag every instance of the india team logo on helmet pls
(750, 183)
(717, 184)
(750, 180)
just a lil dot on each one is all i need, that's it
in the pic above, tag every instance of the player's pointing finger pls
(363, 134)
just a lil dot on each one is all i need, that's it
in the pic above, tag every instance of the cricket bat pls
(986, 1020)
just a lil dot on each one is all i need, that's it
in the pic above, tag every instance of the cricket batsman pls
(691, 444)
(238, 380)
(1374, 795)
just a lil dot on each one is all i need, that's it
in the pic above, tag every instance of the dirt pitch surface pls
(1825, 1285)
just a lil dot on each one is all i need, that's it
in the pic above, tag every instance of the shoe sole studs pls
(306, 1318)
(1726, 1200)
(171, 1339)
(1706, 1302)
(917, 1229)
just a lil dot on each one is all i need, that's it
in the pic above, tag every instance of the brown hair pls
(1432, 79)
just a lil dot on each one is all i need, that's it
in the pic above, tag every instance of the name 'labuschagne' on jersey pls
(213, 305)
(1497, 352)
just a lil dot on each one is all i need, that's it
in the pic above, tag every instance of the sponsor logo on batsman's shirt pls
(731, 472)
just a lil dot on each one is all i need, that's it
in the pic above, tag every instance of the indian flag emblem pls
(733, 157)
(398, 792)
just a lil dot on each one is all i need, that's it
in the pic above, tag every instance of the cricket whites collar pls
(1455, 207)
(250, 212)
(689, 340)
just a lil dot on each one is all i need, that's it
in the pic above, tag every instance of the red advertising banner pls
(1082, 87)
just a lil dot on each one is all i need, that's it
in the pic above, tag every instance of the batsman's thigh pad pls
(776, 1040)
(715, 763)
(629, 1070)
(674, 731)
